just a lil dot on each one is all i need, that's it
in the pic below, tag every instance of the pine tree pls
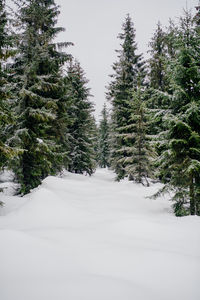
(81, 132)
(183, 154)
(158, 94)
(138, 163)
(157, 61)
(171, 37)
(119, 93)
(61, 124)
(104, 144)
(40, 85)
(6, 116)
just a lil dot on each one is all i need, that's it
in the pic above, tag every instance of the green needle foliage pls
(81, 133)
(6, 116)
(40, 90)
(139, 161)
(124, 80)
(183, 154)
(104, 143)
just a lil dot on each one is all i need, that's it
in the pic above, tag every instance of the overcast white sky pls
(93, 26)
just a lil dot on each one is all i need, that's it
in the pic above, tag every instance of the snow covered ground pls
(90, 238)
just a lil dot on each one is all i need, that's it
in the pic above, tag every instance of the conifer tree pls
(183, 154)
(171, 36)
(119, 93)
(158, 94)
(138, 163)
(6, 116)
(81, 132)
(104, 144)
(157, 61)
(59, 128)
(40, 85)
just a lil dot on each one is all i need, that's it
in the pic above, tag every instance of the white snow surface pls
(91, 238)
(7, 184)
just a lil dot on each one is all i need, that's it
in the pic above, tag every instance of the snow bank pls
(90, 238)
(7, 184)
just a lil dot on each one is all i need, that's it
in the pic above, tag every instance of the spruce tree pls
(183, 154)
(6, 116)
(39, 91)
(104, 144)
(119, 93)
(157, 61)
(139, 160)
(60, 125)
(82, 157)
(158, 94)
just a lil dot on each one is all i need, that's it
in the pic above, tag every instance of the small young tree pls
(103, 144)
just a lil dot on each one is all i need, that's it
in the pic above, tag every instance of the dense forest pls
(152, 131)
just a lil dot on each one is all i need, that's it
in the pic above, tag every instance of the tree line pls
(151, 132)
(154, 124)
(46, 115)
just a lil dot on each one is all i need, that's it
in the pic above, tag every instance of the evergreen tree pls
(119, 93)
(82, 131)
(59, 128)
(157, 62)
(158, 94)
(138, 164)
(171, 37)
(104, 145)
(183, 154)
(40, 84)
(6, 117)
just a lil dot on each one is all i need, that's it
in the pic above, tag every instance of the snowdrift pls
(91, 238)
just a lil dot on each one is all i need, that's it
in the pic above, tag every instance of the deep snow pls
(90, 238)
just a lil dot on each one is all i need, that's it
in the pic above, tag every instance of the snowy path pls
(90, 238)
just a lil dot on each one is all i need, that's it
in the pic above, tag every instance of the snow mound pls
(91, 238)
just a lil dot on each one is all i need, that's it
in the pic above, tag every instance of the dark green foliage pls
(50, 108)
(183, 153)
(82, 131)
(61, 123)
(40, 92)
(171, 36)
(125, 80)
(104, 144)
(49, 114)
(138, 163)
(6, 116)
(158, 60)
(157, 95)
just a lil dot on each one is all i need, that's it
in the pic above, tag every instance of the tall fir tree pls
(171, 37)
(119, 93)
(82, 131)
(157, 61)
(158, 95)
(6, 116)
(40, 89)
(103, 139)
(183, 153)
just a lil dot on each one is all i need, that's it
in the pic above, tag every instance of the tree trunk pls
(192, 197)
